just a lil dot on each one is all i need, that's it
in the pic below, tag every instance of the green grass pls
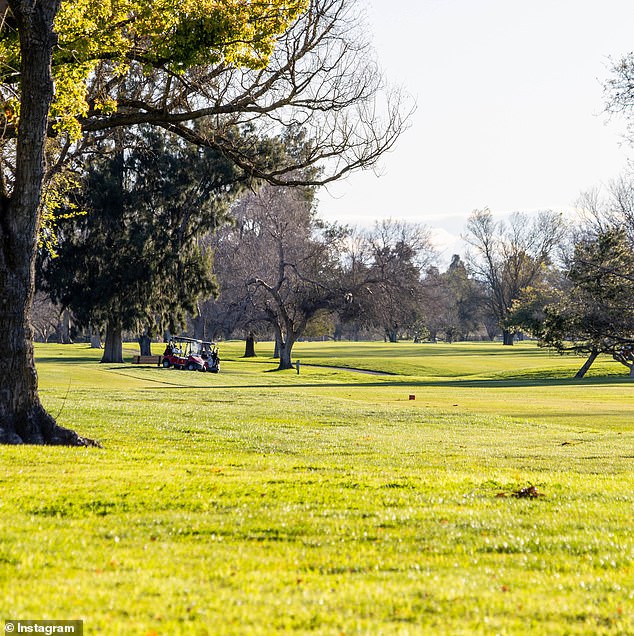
(328, 502)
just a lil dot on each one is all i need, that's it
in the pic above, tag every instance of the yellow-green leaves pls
(170, 34)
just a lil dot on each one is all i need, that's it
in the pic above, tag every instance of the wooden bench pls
(156, 360)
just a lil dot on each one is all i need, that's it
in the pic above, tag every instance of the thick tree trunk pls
(22, 416)
(113, 347)
(249, 346)
(278, 347)
(286, 349)
(145, 345)
(507, 338)
(587, 364)
(200, 327)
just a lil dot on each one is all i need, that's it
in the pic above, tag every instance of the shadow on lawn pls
(528, 380)
(442, 383)
(64, 359)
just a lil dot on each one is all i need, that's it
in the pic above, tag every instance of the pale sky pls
(509, 108)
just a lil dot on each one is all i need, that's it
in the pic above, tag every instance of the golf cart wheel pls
(166, 364)
(191, 366)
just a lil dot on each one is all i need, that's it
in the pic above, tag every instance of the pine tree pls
(133, 261)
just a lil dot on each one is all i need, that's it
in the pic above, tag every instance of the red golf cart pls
(191, 354)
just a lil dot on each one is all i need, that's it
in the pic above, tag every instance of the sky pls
(509, 109)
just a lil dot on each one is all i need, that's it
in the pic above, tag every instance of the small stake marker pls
(412, 397)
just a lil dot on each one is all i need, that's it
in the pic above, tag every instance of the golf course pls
(465, 488)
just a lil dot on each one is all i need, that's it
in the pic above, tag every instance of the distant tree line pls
(167, 234)
(161, 124)
(176, 240)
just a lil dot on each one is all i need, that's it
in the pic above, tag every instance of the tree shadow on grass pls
(64, 359)
(409, 384)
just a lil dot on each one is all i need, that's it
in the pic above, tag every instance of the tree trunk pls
(507, 338)
(113, 347)
(278, 346)
(286, 349)
(145, 345)
(249, 346)
(391, 335)
(22, 416)
(587, 364)
(63, 328)
(200, 327)
(95, 339)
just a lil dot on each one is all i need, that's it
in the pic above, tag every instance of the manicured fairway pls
(328, 502)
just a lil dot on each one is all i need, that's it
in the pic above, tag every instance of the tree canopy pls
(236, 66)
(133, 261)
(99, 43)
(595, 314)
(260, 65)
(509, 256)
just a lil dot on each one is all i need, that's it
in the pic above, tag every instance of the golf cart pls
(191, 354)
(209, 353)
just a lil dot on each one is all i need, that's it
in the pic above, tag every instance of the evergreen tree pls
(596, 314)
(133, 261)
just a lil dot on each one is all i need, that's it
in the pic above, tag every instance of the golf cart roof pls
(185, 339)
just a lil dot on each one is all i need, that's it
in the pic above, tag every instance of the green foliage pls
(171, 34)
(327, 502)
(136, 259)
(528, 310)
(596, 312)
(57, 206)
(511, 256)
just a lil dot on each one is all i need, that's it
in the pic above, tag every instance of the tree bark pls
(587, 364)
(286, 349)
(113, 347)
(22, 416)
(249, 346)
(200, 327)
(145, 345)
(95, 339)
(507, 338)
(63, 328)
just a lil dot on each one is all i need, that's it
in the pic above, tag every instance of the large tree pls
(22, 417)
(398, 253)
(595, 314)
(166, 64)
(281, 263)
(134, 260)
(453, 302)
(508, 256)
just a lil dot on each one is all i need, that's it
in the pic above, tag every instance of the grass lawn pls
(327, 502)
